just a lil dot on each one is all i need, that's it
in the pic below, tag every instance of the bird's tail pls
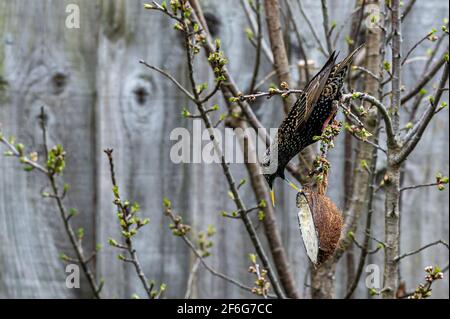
(348, 60)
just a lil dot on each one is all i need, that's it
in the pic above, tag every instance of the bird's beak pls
(272, 197)
(292, 185)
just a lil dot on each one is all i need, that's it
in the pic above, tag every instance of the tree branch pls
(233, 189)
(254, 26)
(258, 47)
(13, 151)
(168, 212)
(419, 186)
(424, 80)
(76, 242)
(326, 25)
(126, 215)
(269, 94)
(381, 108)
(415, 46)
(312, 29)
(414, 252)
(171, 78)
(299, 39)
(417, 131)
(280, 58)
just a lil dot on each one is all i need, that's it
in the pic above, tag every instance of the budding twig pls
(168, 212)
(54, 165)
(126, 216)
(415, 46)
(269, 94)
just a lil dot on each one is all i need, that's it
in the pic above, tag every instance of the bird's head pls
(270, 159)
(270, 179)
(270, 176)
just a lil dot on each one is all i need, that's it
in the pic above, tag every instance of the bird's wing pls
(301, 110)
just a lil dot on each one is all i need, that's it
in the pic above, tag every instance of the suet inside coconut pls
(320, 225)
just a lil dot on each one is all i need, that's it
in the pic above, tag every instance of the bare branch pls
(424, 80)
(225, 167)
(417, 131)
(259, 39)
(364, 70)
(253, 23)
(74, 239)
(212, 93)
(280, 58)
(312, 29)
(419, 186)
(268, 76)
(168, 212)
(191, 278)
(437, 242)
(407, 9)
(415, 46)
(299, 39)
(171, 78)
(326, 25)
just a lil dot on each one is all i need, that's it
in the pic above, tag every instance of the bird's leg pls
(334, 109)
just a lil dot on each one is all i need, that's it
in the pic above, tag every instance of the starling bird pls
(315, 108)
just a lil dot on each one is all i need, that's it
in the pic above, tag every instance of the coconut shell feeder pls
(320, 225)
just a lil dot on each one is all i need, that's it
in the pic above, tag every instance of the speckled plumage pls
(310, 114)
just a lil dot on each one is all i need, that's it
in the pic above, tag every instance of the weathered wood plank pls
(45, 64)
(110, 100)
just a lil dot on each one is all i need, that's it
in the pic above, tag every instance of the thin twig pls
(419, 97)
(312, 29)
(253, 24)
(415, 46)
(419, 186)
(299, 39)
(414, 252)
(259, 38)
(364, 249)
(417, 131)
(191, 278)
(364, 70)
(407, 9)
(168, 212)
(269, 94)
(170, 77)
(24, 159)
(270, 75)
(424, 80)
(326, 25)
(348, 19)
